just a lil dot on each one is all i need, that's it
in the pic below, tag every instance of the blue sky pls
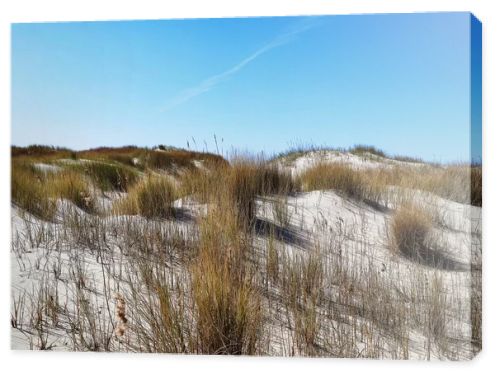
(399, 82)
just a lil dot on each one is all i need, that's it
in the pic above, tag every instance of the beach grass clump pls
(29, 190)
(236, 187)
(247, 180)
(344, 179)
(40, 152)
(203, 184)
(173, 159)
(228, 319)
(242, 188)
(37, 191)
(367, 149)
(162, 160)
(273, 181)
(72, 186)
(109, 176)
(152, 197)
(410, 229)
(227, 305)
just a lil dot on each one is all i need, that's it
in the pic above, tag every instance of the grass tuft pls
(109, 176)
(29, 191)
(344, 179)
(410, 230)
(152, 197)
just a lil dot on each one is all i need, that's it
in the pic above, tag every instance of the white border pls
(37, 363)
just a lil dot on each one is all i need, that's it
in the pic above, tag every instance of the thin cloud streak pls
(211, 82)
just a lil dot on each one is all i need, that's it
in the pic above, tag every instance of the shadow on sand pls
(435, 258)
(288, 235)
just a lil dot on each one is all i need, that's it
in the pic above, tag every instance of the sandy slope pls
(319, 221)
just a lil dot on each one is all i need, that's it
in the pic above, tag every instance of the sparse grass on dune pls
(108, 176)
(213, 283)
(239, 184)
(344, 179)
(175, 159)
(40, 151)
(458, 182)
(127, 155)
(362, 149)
(152, 197)
(172, 160)
(405, 158)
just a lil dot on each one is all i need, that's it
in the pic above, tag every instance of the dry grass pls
(410, 230)
(227, 304)
(29, 191)
(364, 149)
(476, 189)
(174, 160)
(73, 187)
(152, 197)
(238, 185)
(37, 151)
(345, 180)
(36, 191)
(108, 176)
(460, 183)
(228, 320)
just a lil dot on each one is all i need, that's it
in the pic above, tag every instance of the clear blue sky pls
(399, 82)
